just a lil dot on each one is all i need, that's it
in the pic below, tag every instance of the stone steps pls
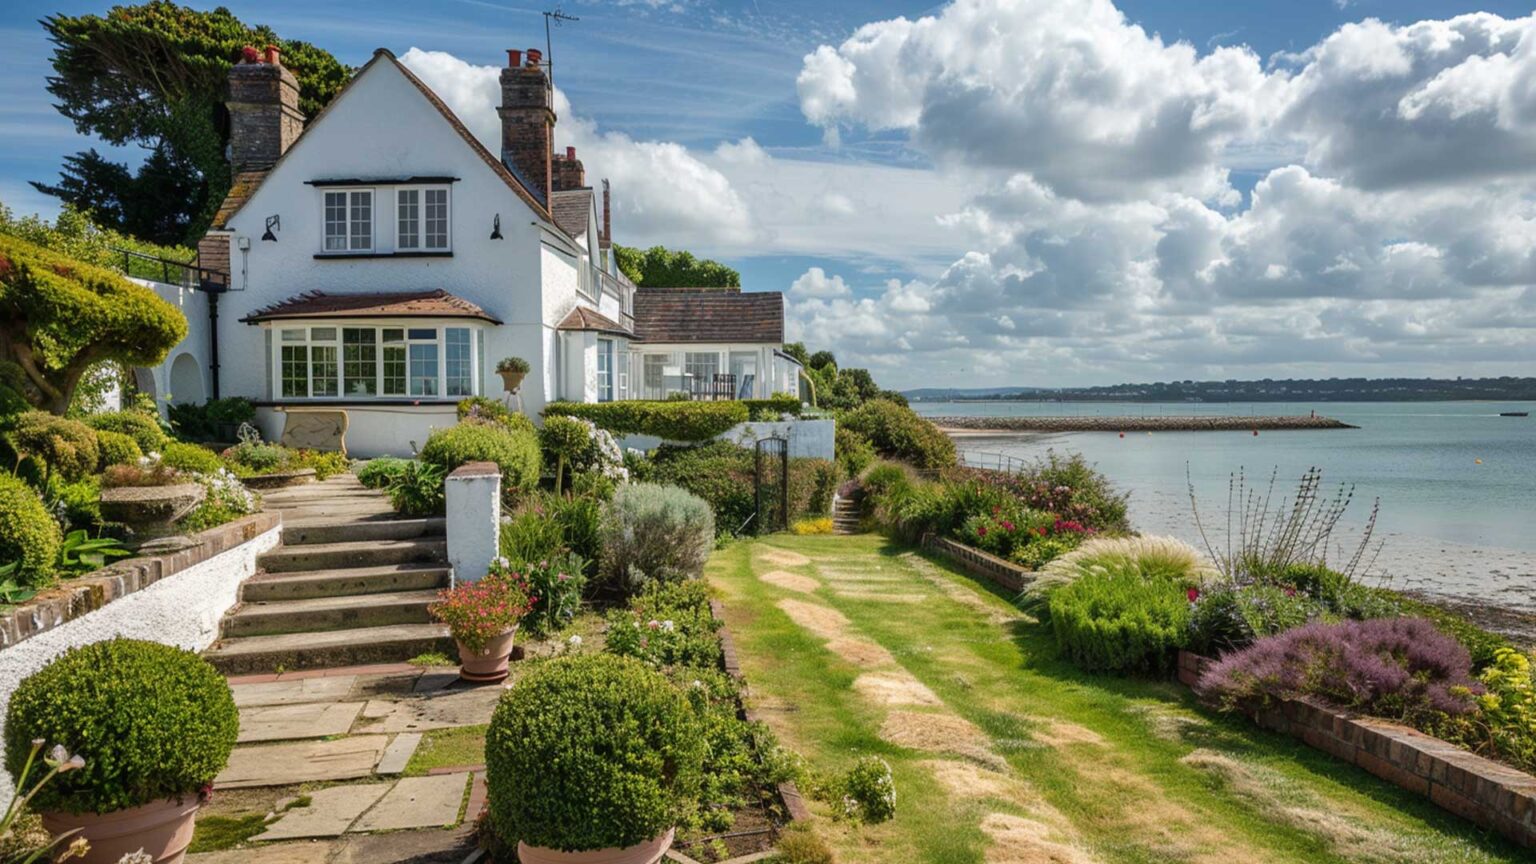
(249, 655)
(264, 587)
(367, 553)
(846, 515)
(326, 531)
(329, 613)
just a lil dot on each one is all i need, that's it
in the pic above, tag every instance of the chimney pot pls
(514, 58)
(274, 56)
(570, 153)
(250, 54)
(534, 56)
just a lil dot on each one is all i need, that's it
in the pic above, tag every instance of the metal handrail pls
(190, 274)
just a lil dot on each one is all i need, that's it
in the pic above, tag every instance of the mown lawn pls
(1001, 753)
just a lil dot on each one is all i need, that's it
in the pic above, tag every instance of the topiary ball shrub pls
(115, 448)
(142, 428)
(28, 534)
(590, 752)
(654, 532)
(515, 451)
(152, 722)
(67, 447)
(190, 457)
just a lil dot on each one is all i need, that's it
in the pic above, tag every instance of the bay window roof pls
(435, 303)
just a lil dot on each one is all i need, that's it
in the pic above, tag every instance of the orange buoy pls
(1122, 434)
(1478, 461)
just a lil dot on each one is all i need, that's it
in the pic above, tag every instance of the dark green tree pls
(155, 75)
(823, 360)
(797, 351)
(660, 267)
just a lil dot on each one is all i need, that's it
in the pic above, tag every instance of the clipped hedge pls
(773, 406)
(670, 421)
(897, 432)
(28, 535)
(115, 448)
(515, 451)
(152, 722)
(589, 752)
(190, 457)
(142, 428)
(67, 447)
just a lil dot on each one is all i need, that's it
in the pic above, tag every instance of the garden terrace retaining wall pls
(1004, 574)
(1212, 423)
(176, 599)
(1490, 794)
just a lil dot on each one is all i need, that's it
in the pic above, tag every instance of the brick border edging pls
(789, 793)
(985, 565)
(95, 590)
(1489, 794)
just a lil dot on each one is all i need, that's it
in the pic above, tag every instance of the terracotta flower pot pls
(644, 852)
(510, 381)
(163, 829)
(488, 664)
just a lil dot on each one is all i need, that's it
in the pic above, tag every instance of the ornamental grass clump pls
(153, 722)
(591, 752)
(478, 612)
(1164, 558)
(652, 532)
(1401, 669)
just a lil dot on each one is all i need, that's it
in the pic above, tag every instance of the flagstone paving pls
(329, 814)
(289, 722)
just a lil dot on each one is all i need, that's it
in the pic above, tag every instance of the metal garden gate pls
(771, 472)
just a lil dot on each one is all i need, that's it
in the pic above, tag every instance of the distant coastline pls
(1208, 423)
(1303, 390)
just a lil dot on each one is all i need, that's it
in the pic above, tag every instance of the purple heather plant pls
(1400, 669)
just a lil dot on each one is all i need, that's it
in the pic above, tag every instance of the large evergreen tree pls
(155, 75)
(660, 267)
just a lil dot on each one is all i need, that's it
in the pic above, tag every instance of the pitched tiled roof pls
(582, 318)
(572, 210)
(241, 187)
(436, 303)
(708, 315)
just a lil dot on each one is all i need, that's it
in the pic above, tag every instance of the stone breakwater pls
(1135, 424)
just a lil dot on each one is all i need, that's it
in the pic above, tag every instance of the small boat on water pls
(1514, 413)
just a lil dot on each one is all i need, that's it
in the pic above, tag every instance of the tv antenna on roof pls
(556, 17)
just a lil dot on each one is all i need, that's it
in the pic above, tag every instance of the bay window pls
(363, 361)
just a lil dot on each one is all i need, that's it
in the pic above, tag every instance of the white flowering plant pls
(667, 625)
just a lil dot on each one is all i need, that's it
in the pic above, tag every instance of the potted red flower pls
(482, 617)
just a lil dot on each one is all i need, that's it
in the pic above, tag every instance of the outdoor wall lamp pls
(273, 222)
(496, 227)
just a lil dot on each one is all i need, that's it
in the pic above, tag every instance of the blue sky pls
(707, 76)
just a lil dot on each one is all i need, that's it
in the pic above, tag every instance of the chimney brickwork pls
(528, 120)
(607, 236)
(264, 116)
(568, 171)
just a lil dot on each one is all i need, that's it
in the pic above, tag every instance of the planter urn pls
(510, 381)
(163, 829)
(150, 512)
(489, 664)
(645, 852)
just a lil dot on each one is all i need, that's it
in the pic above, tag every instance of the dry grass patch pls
(783, 558)
(790, 581)
(1164, 827)
(824, 621)
(941, 733)
(1060, 733)
(894, 688)
(968, 780)
(880, 596)
(1169, 722)
(860, 652)
(959, 593)
(1017, 840)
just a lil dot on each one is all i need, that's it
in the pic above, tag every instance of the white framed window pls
(701, 366)
(360, 361)
(605, 370)
(348, 220)
(655, 375)
(421, 219)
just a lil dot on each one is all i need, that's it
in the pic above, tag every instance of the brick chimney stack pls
(606, 239)
(264, 116)
(528, 120)
(568, 171)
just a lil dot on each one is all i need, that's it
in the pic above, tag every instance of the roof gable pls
(709, 315)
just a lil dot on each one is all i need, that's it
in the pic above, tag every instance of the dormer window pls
(422, 218)
(349, 220)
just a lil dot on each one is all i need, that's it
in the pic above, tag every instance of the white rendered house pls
(380, 261)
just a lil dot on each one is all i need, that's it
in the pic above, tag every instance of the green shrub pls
(256, 457)
(115, 448)
(326, 463)
(897, 432)
(742, 761)
(1043, 550)
(1120, 619)
(1505, 723)
(652, 532)
(66, 447)
(514, 451)
(867, 791)
(81, 502)
(591, 751)
(724, 474)
(555, 582)
(214, 420)
(670, 421)
(487, 409)
(563, 440)
(668, 624)
(29, 537)
(151, 720)
(853, 451)
(376, 473)
(1163, 559)
(532, 532)
(418, 490)
(1226, 618)
(580, 518)
(190, 457)
(774, 407)
(142, 428)
(800, 844)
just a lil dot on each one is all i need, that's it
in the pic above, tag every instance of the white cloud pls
(816, 283)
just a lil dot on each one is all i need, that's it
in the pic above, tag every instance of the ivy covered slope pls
(59, 316)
